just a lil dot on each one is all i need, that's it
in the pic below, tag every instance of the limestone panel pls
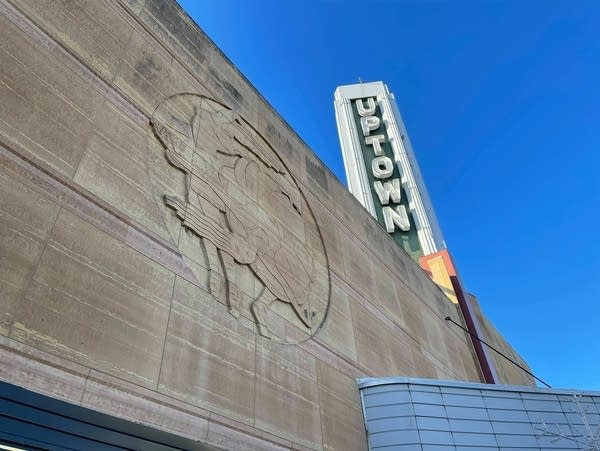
(463, 357)
(338, 330)
(178, 30)
(350, 211)
(48, 113)
(117, 168)
(424, 364)
(96, 301)
(411, 308)
(431, 333)
(377, 347)
(166, 179)
(385, 292)
(197, 54)
(24, 365)
(125, 400)
(229, 438)
(424, 325)
(329, 230)
(144, 74)
(209, 355)
(148, 74)
(343, 426)
(317, 176)
(359, 263)
(286, 142)
(286, 393)
(338, 384)
(388, 348)
(95, 31)
(26, 220)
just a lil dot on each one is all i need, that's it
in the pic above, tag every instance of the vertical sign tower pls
(381, 167)
(383, 174)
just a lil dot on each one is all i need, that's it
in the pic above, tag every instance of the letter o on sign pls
(382, 167)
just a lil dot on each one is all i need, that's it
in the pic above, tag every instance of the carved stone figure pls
(240, 199)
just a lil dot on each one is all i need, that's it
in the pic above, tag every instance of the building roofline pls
(367, 382)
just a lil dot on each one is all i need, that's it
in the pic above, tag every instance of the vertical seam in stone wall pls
(87, 140)
(87, 376)
(224, 57)
(162, 357)
(33, 167)
(105, 100)
(170, 51)
(384, 264)
(255, 378)
(321, 422)
(30, 276)
(396, 325)
(28, 21)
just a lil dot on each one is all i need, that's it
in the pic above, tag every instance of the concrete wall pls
(432, 415)
(111, 297)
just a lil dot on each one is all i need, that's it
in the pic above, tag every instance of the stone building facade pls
(172, 253)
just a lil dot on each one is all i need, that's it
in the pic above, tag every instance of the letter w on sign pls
(387, 190)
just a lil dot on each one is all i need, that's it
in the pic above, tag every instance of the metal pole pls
(499, 352)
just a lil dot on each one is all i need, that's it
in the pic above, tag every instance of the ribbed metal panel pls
(422, 414)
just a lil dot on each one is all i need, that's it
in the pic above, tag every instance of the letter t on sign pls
(375, 141)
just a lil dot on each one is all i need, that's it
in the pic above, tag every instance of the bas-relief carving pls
(246, 208)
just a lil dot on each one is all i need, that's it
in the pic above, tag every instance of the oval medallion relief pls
(246, 209)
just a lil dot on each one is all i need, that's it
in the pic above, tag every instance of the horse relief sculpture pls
(244, 206)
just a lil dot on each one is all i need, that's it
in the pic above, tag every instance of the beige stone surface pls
(116, 300)
(116, 167)
(286, 393)
(340, 410)
(227, 438)
(26, 220)
(41, 372)
(338, 331)
(114, 396)
(97, 301)
(93, 30)
(209, 357)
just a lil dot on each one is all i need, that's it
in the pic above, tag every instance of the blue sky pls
(502, 103)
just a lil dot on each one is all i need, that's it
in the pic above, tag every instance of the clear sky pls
(501, 100)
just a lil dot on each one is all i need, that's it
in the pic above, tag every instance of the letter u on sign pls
(368, 110)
